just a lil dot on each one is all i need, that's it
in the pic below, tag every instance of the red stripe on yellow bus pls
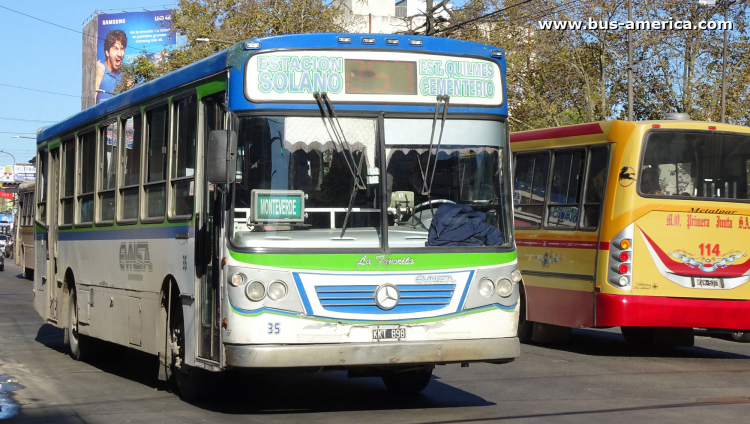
(652, 311)
(569, 308)
(560, 132)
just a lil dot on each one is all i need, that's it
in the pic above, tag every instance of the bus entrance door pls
(50, 270)
(209, 246)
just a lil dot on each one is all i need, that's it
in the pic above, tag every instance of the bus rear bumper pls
(382, 353)
(652, 311)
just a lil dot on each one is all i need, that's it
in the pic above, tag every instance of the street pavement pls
(594, 378)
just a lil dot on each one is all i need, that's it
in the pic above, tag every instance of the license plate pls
(713, 283)
(388, 333)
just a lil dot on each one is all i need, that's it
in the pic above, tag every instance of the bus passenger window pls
(156, 162)
(41, 187)
(108, 142)
(87, 161)
(566, 189)
(529, 188)
(67, 206)
(597, 180)
(183, 168)
(131, 169)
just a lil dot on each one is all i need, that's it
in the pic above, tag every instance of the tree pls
(232, 20)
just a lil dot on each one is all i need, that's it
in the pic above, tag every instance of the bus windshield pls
(300, 161)
(696, 164)
(295, 178)
(462, 186)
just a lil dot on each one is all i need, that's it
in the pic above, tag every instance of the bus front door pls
(208, 243)
(50, 247)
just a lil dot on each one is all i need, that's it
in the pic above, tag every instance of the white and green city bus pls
(271, 206)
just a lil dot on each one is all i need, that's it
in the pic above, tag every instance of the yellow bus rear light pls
(624, 244)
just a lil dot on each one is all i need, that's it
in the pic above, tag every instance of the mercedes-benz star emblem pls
(387, 296)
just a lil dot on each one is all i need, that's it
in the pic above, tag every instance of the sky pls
(45, 57)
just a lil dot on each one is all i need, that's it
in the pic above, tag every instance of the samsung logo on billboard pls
(113, 21)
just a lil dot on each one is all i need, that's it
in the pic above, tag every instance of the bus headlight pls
(504, 287)
(486, 287)
(255, 291)
(277, 290)
(237, 279)
(515, 276)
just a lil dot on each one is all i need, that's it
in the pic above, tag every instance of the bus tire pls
(524, 326)
(638, 337)
(741, 336)
(407, 382)
(78, 344)
(193, 384)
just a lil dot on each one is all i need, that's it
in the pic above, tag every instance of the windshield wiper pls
(355, 166)
(426, 189)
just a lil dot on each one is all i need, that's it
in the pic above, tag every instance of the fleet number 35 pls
(274, 328)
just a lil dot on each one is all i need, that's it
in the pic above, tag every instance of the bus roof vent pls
(677, 117)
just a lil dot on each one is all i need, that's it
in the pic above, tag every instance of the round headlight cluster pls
(504, 287)
(515, 276)
(237, 279)
(277, 290)
(255, 291)
(486, 287)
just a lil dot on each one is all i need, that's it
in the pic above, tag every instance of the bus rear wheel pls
(741, 336)
(78, 344)
(411, 381)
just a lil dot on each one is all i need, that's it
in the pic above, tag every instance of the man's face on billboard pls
(114, 56)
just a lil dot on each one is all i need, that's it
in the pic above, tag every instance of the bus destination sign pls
(356, 76)
(278, 206)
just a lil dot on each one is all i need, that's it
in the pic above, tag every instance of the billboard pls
(24, 173)
(123, 36)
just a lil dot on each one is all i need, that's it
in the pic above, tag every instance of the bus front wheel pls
(409, 381)
(525, 326)
(741, 336)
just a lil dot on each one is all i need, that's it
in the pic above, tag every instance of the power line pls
(15, 132)
(40, 91)
(460, 24)
(59, 26)
(25, 120)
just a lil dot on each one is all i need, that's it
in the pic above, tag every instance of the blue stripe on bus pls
(145, 233)
(466, 291)
(302, 293)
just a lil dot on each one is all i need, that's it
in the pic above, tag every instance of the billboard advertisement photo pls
(124, 36)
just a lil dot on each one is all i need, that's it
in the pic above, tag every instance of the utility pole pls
(724, 67)
(630, 63)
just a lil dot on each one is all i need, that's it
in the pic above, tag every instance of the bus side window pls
(597, 180)
(566, 190)
(108, 166)
(41, 187)
(183, 156)
(155, 188)
(67, 192)
(87, 166)
(529, 188)
(131, 169)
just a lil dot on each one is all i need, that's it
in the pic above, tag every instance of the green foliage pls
(233, 21)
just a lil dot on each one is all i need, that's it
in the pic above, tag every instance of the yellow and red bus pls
(642, 225)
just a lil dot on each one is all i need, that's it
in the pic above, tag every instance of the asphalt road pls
(594, 378)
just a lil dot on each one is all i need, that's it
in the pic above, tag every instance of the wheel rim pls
(74, 324)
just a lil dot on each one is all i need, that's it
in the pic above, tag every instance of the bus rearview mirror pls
(221, 156)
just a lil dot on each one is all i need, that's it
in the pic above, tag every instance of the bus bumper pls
(382, 353)
(651, 311)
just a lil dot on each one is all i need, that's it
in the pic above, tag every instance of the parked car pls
(8, 250)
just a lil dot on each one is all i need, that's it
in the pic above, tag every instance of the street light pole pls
(14, 158)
